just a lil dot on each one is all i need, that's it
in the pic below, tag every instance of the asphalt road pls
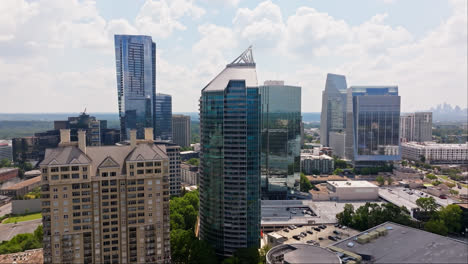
(5, 209)
(7, 231)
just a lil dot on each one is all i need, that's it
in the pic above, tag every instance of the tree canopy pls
(305, 184)
(22, 242)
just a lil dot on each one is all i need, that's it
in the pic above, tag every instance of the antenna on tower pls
(246, 58)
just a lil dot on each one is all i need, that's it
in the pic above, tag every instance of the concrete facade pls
(181, 130)
(189, 174)
(25, 206)
(435, 153)
(311, 163)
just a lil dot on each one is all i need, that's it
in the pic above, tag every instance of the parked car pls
(332, 238)
(443, 197)
(317, 229)
(320, 238)
(286, 230)
(310, 232)
(336, 232)
(304, 233)
(296, 237)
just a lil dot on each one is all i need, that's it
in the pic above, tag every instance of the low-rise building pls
(8, 173)
(186, 155)
(434, 153)
(346, 191)
(21, 188)
(189, 174)
(401, 173)
(312, 164)
(394, 243)
(301, 253)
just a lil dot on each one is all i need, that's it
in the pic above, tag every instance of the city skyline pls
(379, 43)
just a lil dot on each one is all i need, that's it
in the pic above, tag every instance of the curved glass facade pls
(230, 161)
(281, 140)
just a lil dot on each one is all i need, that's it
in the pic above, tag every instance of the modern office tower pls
(181, 130)
(106, 204)
(373, 125)
(135, 58)
(163, 117)
(416, 127)
(230, 158)
(6, 150)
(175, 178)
(281, 139)
(333, 116)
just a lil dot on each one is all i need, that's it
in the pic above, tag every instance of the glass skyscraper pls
(135, 58)
(281, 139)
(373, 125)
(230, 158)
(163, 116)
(333, 117)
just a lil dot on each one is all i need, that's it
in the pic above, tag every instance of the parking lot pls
(321, 237)
(407, 197)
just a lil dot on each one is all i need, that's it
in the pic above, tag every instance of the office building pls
(6, 150)
(181, 130)
(135, 59)
(230, 158)
(373, 125)
(32, 149)
(333, 116)
(281, 139)
(163, 117)
(416, 127)
(434, 153)
(317, 164)
(106, 204)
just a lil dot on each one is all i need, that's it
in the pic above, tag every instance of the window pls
(85, 168)
(104, 174)
(66, 168)
(85, 176)
(44, 170)
(75, 168)
(140, 172)
(113, 173)
(55, 169)
(131, 166)
(149, 164)
(75, 176)
(54, 177)
(140, 164)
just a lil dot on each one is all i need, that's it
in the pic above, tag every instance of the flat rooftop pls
(351, 184)
(301, 253)
(24, 183)
(404, 244)
(4, 170)
(433, 145)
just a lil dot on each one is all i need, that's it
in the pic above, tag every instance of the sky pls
(58, 55)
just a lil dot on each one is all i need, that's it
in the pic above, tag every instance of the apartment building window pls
(55, 169)
(131, 166)
(139, 172)
(85, 176)
(85, 168)
(54, 177)
(113, 173)
(140, 164)
(75, 168)
(66, 168)
(75, 176)
(44, 170)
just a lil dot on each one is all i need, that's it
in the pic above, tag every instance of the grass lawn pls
(445, 177)
(22, 218)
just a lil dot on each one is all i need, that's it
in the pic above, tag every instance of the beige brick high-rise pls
(106, 204)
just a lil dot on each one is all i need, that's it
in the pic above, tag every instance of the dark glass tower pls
(135, 58)
(281, 139)
(163, 116)
(373, 125)
(230, 158)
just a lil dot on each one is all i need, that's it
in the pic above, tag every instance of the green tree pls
(202, 253)
(452, 216)
(247, 255)
(346, 217)
(5, 163)
(380, 180)
(263, 252)
(338, 171)
(428, 204)
(340, 164)
(389, 180)
(422, 158)
(305, 184)
(404, 163)
(194, 161)
(181, 241)
(436, 226)
(431, 176)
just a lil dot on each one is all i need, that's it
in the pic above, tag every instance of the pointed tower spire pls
(245, 59)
